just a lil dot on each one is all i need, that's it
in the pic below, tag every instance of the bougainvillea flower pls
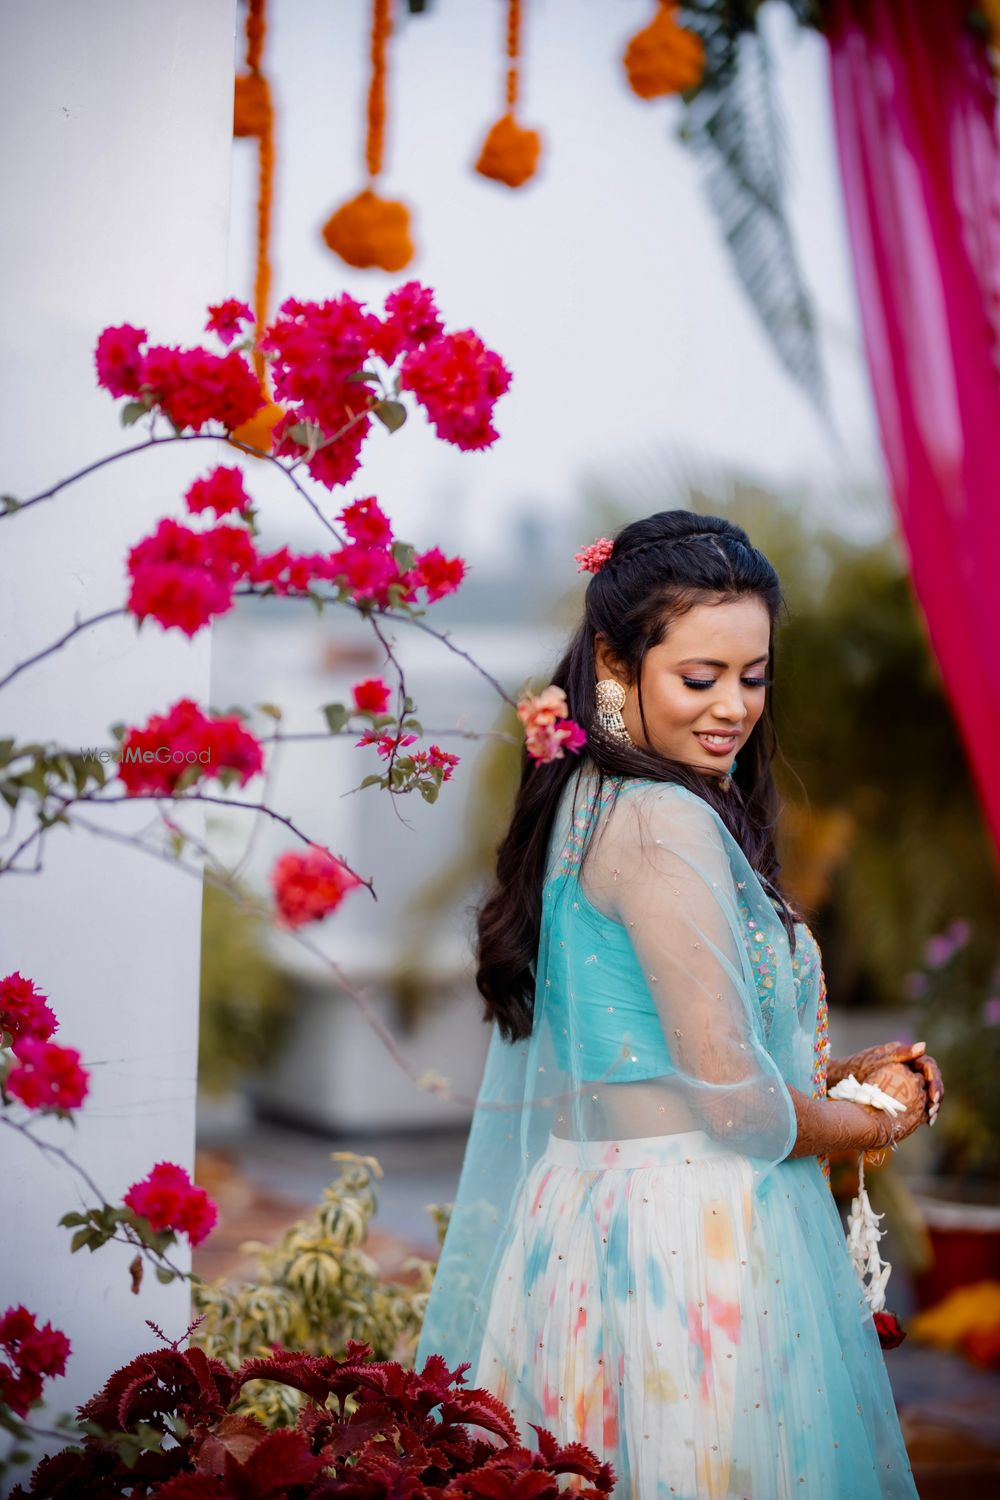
(441, 759)
(222, 491)
(184, 578)
(33, 1353)
(46, 1076)
(226, 318)
(386, 744)
(411, 320)
(171, 1201)
(118, 358)
(195, 386)
(308, 886)
(458, 381)
(438, 574)
(366, 523)
(155, 757)
(23, 1010)
(371, 696)
(548, 731)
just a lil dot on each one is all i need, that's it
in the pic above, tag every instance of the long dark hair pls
(659, 568)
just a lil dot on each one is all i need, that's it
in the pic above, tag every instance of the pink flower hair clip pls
(592, 559)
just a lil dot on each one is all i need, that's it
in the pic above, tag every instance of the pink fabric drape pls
(915, 119)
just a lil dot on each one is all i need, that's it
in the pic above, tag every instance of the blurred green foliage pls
(316, 1290)
(244, 997)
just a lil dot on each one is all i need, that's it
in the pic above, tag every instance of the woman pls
(644, 1254)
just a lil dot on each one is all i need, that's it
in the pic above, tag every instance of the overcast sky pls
(603, 283)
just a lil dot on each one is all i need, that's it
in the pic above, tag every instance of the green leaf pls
(392, 414)
(271, 709)
(71, 1220)
(360, 375)
(6, 751)
(164, 1276)
(372, 781)
(429, 793)
(81, 1238)
(132, 411)
(336, 716)
(316, 600)
(404, 555)
(118, 730)
(307, 434)
(413, 724)
(9, 793)
(9, 503)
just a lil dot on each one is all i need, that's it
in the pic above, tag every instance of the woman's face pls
(703, 686)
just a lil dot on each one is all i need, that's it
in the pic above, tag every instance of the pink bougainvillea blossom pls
(591, 559)
(548, 731)
(438, 574)
(155, 757)
(195, 386)
(222, 491)
(226, 318)
(442, 760)
(169, 1200)
(184, 578)
(24, 1012)
(309, 885)
(458, 381)
(366, 523)
(333, 463)
(411, 320)
(365, 572)
(287, 572)
(46, 1076)
(371, 696)
(118, 358)
(315, 347)
(32, 1354)
(386, 744)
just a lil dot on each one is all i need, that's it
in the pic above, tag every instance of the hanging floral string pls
(253, 116)
(510, 151)
(664, 57)
(369, 230)
(863, 1232)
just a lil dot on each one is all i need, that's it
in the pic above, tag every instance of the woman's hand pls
(912, 1055)
(910, 1088)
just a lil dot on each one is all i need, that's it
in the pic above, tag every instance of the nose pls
(729, 704)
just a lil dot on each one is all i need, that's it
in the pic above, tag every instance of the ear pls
(605, 664)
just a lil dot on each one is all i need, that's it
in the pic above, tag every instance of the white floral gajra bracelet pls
(863, 1233)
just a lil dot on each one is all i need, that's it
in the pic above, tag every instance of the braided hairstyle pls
(659, 568)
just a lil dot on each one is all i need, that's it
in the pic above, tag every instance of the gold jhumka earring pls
(610, 696)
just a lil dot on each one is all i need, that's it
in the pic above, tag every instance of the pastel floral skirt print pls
(708, 1339)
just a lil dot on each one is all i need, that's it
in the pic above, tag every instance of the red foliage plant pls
(162, 1426)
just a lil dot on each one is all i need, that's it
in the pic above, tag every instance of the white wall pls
(115, 177)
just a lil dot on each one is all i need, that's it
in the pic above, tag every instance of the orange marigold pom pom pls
(256, 432)
(664, 58)
(510, 152)
(371, 231)
(251, 105)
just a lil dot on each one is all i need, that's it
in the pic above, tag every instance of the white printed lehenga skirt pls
(706, 1336)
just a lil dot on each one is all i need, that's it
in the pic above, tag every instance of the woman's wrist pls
(825, 1125)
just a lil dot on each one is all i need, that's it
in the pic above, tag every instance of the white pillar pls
(114, 178)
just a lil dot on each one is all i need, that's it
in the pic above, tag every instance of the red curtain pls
(915, 118)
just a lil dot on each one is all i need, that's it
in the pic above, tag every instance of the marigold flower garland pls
(510, 151)
(369, 230)
(253, 115)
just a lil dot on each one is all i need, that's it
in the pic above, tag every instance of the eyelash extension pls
(696, 682)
